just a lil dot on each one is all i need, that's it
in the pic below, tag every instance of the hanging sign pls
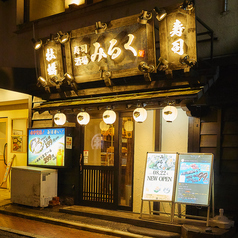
(159, 176)
(177, 34)
(194, 179)
(114, 52)
(51, 64)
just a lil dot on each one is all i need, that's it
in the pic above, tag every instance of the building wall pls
(144, 142)
(174, 139)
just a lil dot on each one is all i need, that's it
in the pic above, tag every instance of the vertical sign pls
(177, 32)
(159, 176)
(194, 179)
(51, 63)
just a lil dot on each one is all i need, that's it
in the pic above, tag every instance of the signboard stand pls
(159, 180)
(195, 182)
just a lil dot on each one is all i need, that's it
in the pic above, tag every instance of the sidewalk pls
(118, 223)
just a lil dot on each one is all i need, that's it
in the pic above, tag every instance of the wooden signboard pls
(177, 34)
(51, 63)
(114, 52)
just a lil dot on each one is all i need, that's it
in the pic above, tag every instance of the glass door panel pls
(99, 143)
(126, 158)
(3, 151)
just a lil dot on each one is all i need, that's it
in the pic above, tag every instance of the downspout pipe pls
(225, 7)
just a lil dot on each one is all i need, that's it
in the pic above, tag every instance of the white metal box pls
(33, 186)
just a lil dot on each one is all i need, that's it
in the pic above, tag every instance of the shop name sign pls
(118, 50)
(99, 53)
(178, 38)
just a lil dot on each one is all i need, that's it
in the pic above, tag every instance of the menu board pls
(46, 147)
(194, 179)
(159, 176)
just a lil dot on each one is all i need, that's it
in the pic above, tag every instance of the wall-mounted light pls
(71, 81)
(160, 13)
(83, 118)
(109, 117)
(37, 43)
(187, 5)
(170, 113)
(63, 37)
(100, 27)
(59, 119)
(144, 17)
(140, 114)
(42, 82)
(163, 64)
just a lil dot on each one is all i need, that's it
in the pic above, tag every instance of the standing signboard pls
(159, 177)
(194, 178)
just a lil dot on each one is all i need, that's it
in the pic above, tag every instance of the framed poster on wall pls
(159, 176)
(194, 176)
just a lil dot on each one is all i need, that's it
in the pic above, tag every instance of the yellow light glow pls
(77, 2)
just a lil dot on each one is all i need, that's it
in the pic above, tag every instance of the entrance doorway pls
(107, 166)
(3, 149)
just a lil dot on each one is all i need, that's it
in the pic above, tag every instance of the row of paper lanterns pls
(109, 116)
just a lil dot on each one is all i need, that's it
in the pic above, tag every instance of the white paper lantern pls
(83, 118)
(140, 114)
(59, 119)
(103, 126)
(109, 117)
(128, 126)
(170, 113)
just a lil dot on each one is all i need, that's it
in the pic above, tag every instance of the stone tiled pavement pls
(116, 223)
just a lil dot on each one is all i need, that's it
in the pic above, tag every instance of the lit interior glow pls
(103, 126)
(170, 113)
(77, 2)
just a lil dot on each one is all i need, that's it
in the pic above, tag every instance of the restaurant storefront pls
(123, 97)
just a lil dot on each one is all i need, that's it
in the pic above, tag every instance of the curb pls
(75, 225)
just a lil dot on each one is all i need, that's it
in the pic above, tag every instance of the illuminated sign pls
(51, 63)
(119, 49)
(159, 176)
(46, 147)
(177, 33)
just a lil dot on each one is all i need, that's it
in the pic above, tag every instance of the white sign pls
(159, 176)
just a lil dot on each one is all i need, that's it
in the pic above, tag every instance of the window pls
(19, 135)
(99, 143)
(31, 10)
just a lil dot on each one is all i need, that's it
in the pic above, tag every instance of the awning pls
(141, 97)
